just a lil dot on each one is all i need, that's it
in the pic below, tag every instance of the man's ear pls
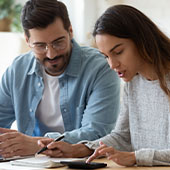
(26, 39)
(70, 30)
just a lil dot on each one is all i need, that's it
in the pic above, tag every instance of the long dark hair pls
(41, 13)
(124, 21)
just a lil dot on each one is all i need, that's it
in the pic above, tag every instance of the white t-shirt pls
(48, 111)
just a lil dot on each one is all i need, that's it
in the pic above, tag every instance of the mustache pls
(57, 57)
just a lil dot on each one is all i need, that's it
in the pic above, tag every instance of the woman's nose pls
(113, 63)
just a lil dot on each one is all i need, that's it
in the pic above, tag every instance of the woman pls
(140, 53)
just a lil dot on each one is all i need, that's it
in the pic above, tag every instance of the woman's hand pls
(119, 157)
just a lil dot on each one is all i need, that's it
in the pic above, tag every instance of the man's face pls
(52, 46)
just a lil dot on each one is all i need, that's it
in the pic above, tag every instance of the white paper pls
(12, 158)
(8, 166)
(43, 161)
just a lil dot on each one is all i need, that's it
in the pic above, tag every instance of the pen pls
(45, 148)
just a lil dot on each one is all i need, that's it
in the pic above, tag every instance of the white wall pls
(157, 10)
(84, 13)
(21, 1)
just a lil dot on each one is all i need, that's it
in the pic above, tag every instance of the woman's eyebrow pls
(115, 47)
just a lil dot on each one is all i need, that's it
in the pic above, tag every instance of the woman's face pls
(122, 55)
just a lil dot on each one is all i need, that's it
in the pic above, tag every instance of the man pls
(59, 87)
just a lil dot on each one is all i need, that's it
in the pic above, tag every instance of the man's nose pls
(51, 52)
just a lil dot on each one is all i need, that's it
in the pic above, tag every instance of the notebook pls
(43, 161)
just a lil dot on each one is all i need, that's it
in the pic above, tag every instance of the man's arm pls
(119, 138)
(7, 115)
(100, 113)
(12, 142)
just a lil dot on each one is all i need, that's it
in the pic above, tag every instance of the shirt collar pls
(74, 65)
(36, 67)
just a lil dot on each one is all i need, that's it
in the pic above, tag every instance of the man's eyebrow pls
(39, 43)
(115, 47)
(52, 41)
(59, 38)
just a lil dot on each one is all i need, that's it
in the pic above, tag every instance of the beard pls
(57, 65)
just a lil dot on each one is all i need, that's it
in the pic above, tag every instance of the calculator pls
(83, 165)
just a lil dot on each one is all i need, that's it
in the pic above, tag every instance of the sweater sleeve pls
(149, 150)
(151, 157)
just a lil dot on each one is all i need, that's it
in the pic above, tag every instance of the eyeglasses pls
(41, 48)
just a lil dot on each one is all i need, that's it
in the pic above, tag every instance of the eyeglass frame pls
(46, 46)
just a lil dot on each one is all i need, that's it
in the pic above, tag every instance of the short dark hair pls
(41, 13)
(125, 21)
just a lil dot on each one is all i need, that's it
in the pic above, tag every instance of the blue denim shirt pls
(89, 95)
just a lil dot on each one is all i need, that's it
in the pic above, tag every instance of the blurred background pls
(83, 14)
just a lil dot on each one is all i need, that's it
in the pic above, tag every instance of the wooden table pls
(113, 166)
(110, 166)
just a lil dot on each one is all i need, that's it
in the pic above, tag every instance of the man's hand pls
(14, 143)
(119, 157)
(63, 149)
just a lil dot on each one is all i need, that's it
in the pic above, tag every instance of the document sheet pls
(43, 161)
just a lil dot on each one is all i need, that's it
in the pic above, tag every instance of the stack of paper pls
(43, 161)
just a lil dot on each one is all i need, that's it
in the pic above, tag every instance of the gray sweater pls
(143, 125)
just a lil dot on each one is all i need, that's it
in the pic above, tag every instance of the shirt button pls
(39, 84)
(31, 110)
(65, 110)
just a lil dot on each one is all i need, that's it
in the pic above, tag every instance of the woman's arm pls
(151, 157)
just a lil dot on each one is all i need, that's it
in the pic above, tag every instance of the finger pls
(10, 154)
(40, 143)
(96, 153)
(16, 153)
(93, 156)
(101, 143)
(7, 136)
(101, 147)
(4, 146)
(53, 145)
(53, 153)
(11, 148)
(5, 130)
(8, 141)
(107, 150)
(44, 142)
(58, 145)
